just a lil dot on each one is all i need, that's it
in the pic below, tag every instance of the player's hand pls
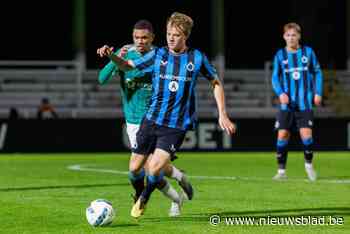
(226, 124)
(318, 100)
(105, 51)
(123, 51)
(284, 99)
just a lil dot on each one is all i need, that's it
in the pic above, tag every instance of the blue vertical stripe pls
(158, 99)
(292, 83)
(166, 92)
(175, 114)
(161, 55)
(305, 79)
(300, 83)
(287, 78)
(190, 113)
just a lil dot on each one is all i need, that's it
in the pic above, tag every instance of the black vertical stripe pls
(184, 98)
(287, 74)
(162, 72)
(172, 96)
(305, 81)
(295, 62)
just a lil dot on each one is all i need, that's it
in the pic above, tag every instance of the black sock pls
(137, 181)
(282, 152)
(308, 146)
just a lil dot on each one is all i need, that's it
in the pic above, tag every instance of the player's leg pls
(168, 141)
(168, 190)
(136, 170)
(305, 123)
(283, 124)
(145, 143)
(172, 172)
(137, 173)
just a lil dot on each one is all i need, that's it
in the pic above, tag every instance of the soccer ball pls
(100, 213)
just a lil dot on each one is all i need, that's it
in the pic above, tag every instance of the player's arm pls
(109, 71)
(276, 83)
(122, 64)
(219, 95)
(106, 73)
(318, 79)
(209, 72)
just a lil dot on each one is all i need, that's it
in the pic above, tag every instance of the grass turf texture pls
(40, 195)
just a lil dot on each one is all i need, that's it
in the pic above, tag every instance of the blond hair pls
(182, 22)
(292, 25)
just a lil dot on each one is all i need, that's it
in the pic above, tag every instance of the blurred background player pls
(174, 71)
(297, 81)
(46, 110)
(136, 94)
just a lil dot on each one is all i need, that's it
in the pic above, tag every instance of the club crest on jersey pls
(285, 62)
(304, 59)
(190, 66)
(296, 75)
(310, 123)
(173, 86)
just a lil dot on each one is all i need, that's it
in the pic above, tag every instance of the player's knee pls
(283, 135)
(154, 167)
(135, 164)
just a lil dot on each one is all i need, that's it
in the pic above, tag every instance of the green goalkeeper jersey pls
(136, 93)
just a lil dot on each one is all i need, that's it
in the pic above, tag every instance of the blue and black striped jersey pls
(173, 102)
(297, 74)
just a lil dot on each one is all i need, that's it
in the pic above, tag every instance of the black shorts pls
(151, 136)
(291, 120)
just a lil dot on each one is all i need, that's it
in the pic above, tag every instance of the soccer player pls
(297, 81)
(136, 94)
(175, 70)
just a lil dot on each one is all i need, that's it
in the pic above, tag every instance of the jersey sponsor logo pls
(176, 78)
(296, 75)
(299, 69)
(190, 66)
(304, 59)
(173, 86)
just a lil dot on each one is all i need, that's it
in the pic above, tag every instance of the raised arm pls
(124, 65)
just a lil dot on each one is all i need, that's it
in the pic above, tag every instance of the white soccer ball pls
(100, 213)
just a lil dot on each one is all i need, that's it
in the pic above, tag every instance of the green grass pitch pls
(40, 193)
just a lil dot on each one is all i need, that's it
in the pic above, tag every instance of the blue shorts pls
(151, 136)
(291, 120)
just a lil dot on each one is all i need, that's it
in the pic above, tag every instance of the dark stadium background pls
(43, 29)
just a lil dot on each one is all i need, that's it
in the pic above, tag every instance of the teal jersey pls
(135, 93)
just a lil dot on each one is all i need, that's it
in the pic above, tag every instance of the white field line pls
(85, 168)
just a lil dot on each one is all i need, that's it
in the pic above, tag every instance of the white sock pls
(176, 174)
(308, 165)
(170, 192)
(281, 171)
